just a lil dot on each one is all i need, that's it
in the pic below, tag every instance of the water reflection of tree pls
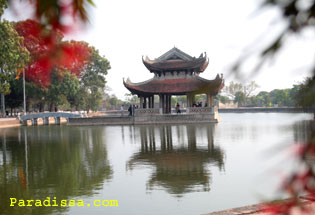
(303, 131)
(180, 164)
(61, 162)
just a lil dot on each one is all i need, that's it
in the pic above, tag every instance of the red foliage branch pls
(74, 56)
(49, 52)
(301, 182)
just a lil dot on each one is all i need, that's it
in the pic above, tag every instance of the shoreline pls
(115, 118)
(9, 122)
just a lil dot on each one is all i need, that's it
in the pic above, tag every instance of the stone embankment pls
(145, 119)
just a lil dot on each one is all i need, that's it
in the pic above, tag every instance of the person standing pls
(130, 110)
(122, 110)
(177, 108)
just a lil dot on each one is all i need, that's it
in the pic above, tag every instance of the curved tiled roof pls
(176, 59)
(200, 64)
(178, 86)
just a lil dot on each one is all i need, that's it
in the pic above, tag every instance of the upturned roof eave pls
(204, 86)
(199, 64)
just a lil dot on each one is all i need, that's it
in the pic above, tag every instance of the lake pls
(171, 169)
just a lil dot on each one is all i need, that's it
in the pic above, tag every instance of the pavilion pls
(175, 73)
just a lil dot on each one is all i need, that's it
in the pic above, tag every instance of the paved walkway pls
(9, 122)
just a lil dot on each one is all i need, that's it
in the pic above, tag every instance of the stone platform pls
(145, 119)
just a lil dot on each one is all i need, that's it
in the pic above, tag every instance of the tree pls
(15, 98)
(73, 62)
(305, 94)
(13, 55)
(62, 91)
(35, 40)
(281, 97)
(3, 6)
(94, 100)
(70, 86)
(250, 88)
(93, 79)
(93, 75)
(75, 56)
(232, 89)
(131, 98)
(113, 100)
(240, 98)
(223, 99)
(263, 99)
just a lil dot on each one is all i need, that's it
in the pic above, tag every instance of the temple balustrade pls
(200, 110)
(147, 111)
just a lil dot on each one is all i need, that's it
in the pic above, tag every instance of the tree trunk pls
(3, 104)
(41, 107)
(51, 107)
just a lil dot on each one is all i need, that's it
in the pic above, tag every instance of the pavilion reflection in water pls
(181, 155)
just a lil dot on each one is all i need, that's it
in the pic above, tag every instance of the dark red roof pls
(176, 60)
(178, 86)
(199, 64)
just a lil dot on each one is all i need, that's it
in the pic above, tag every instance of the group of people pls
(199, 104)
(130, 109)
(177, 108)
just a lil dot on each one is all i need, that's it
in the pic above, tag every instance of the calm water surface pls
(174, 169)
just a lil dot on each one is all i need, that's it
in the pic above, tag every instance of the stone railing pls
(46, 115)
(149, 111)
(200, 110)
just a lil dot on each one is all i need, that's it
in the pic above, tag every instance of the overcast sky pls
(125, 30)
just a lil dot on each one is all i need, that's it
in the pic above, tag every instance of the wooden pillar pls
(141, 102)
(170, 103)
(208, 99)
(211, 101)
(190, 100)
(152, 101)
(167, 104)
(163, 102)
(160, 103)
(145, 102)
